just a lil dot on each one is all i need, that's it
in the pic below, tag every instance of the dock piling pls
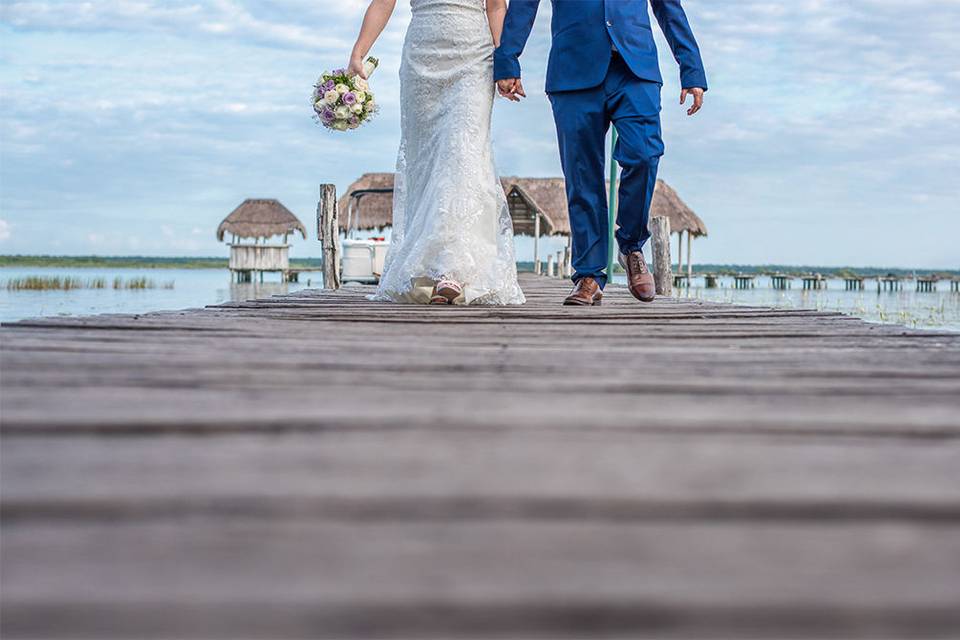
(328, 233)
(660, 235)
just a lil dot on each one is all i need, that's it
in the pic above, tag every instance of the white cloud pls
(228, 18)
(4, 230)
(178, 109)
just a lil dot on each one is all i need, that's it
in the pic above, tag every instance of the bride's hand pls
(356, 68)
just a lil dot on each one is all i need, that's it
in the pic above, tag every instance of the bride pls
(452, 239)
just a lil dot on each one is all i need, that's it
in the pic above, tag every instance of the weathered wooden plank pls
(238, 409)
(712, 580)
(628, 474)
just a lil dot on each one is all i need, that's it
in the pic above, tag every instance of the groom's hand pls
(511, 89)
(697, 94)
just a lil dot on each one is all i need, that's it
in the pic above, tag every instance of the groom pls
(603, 68)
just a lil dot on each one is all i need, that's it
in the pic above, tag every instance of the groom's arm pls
(516, 31)
(675, 26)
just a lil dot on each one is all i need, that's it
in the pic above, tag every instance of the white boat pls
(362, 260)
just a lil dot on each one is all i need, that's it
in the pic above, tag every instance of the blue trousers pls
(583, 118)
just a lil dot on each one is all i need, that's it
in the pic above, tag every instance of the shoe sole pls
(575, 303)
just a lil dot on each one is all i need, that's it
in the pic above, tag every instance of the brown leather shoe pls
(639, 278)
(586, 293)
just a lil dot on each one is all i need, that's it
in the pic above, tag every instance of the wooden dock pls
(320, 466)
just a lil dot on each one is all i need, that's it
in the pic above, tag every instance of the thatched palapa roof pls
(261, 218)
(374, 206)
(667, 203)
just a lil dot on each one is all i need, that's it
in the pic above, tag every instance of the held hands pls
(511, 89)
(697, 94)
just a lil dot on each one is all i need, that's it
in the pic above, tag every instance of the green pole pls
(612, 210)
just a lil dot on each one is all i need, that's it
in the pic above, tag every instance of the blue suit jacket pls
(584, 32)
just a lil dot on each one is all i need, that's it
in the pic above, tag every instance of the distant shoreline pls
(157, 262)
(131, 262)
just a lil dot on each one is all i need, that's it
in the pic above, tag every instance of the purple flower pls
(349, 98)
(327, 115)
(339, 72)
(329, 85)
(354, 121)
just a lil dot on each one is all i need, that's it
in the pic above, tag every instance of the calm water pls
(939, 309)
(200, 287)
(191, 288)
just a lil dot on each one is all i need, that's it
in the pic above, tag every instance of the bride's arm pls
(374, 21)
(496, 10)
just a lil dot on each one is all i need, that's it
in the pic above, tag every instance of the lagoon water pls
(199, 287)
(191, 288)
(939, 309)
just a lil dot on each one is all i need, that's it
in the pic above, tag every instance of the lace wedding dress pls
(450, 216)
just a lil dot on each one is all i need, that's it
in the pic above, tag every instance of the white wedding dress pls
(450, 216)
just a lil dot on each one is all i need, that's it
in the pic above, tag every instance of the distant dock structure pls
(260, 220)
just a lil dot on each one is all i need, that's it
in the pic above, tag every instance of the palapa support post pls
(328, 232)
(536, 243)
(660, 234)
(679, 250)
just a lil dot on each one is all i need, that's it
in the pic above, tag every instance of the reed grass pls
(69, 283)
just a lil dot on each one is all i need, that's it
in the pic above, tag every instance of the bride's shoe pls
(446, 292)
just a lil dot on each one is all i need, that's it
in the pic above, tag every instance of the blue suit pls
(603, 68)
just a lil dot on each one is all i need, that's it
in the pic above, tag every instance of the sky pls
(830, 134)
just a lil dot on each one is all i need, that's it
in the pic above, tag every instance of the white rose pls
(342, 112)
(342, 89)
(340, 125)
(354, 126)
(357, 108)
(361, 96)
(360, 83)
(371, 105)
(331, 97)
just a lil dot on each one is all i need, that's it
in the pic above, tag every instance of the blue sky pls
(831, 133)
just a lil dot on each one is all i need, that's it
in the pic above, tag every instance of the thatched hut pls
(259, 220)
(538, 206)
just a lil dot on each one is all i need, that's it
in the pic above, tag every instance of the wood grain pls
(281, 468)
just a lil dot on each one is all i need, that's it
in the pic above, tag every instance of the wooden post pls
(549, 265)
(660, 234)
(536, 243)
(567, 268)
(679, 251)
(328, 233)
(560, 264)
(612, 248)
(689, 253)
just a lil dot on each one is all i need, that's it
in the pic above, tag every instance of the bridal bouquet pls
(344, 102)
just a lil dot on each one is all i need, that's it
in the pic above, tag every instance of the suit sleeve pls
(673, 21)
(516, 30)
